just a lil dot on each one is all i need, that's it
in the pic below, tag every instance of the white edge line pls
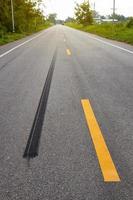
(108, 43)
(7, 52)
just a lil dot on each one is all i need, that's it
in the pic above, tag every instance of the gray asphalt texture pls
(67, 167)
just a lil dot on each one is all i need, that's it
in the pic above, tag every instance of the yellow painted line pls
(106, 163)
(68, 52)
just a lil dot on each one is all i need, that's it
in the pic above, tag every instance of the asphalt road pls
(67, 167)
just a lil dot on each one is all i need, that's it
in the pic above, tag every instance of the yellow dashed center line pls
(68, 52)
(106, 163)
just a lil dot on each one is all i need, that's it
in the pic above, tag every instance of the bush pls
(2, 31)
(130, 23)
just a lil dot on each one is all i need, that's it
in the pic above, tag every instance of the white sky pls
(65, 8)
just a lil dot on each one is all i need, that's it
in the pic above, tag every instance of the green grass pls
(10, 37)
(117, 32)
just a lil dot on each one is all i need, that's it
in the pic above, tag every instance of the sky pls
(65, 8)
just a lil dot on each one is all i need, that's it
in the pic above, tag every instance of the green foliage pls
(130, 23)
(5, 14)
(2, 30)
(10, 37)
(83, 13)
(28, 19)
(52, 18)
(75, 25)
(69, 19)
(27, 15)
(112, 31)
(118, 17)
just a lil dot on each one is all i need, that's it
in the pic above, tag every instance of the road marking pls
(106, 163)
(16, 47)
(108, 43)
(68, 52)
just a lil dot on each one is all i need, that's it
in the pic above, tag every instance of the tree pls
(83, 13)
(102, 17)
(95, 14)
(52, 18)
(130, 23)
(69, 19)
(27, 14)
(5, 14)
(118, 17)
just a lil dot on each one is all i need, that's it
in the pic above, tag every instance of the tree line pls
(27, 15)
(85, 16)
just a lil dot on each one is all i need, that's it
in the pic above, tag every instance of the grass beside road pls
(117, 32)
(10, 37)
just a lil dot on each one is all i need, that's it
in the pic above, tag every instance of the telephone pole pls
(94, 5)
(114, 10)
(13, 24)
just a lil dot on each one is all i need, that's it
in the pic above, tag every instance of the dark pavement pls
(67, 167)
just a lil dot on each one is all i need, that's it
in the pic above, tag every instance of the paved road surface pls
(67, 168)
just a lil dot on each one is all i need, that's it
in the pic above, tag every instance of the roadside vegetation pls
(28, 18)
(6, 37)
(122, 30)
